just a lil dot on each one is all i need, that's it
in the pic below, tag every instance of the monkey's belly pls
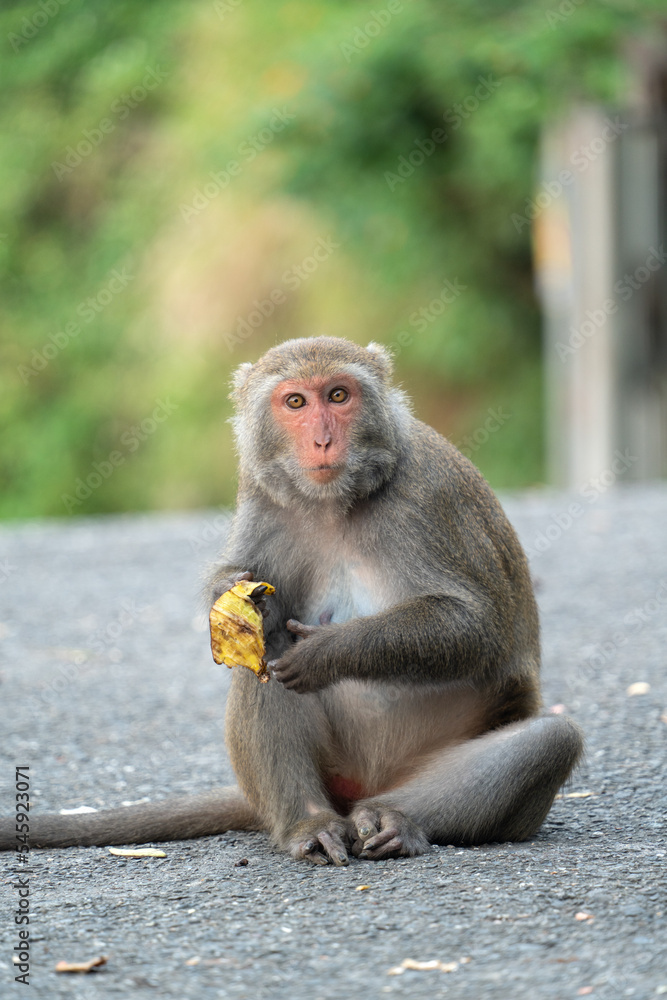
(383, 732)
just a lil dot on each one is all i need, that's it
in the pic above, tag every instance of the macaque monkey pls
(403, 640)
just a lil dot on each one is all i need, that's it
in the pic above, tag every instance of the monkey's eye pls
(339, 395)
(295, 401)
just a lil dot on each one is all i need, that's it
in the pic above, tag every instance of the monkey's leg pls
(497, 787)
(277, 742)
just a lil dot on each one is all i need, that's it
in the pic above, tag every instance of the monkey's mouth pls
(322, 473)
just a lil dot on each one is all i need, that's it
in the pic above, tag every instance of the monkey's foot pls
(385, 833)
(321, 840)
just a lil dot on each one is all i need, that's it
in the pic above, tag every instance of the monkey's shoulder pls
(447, 498)
(432, 470)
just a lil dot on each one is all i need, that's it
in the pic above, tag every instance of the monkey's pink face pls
(318, 414)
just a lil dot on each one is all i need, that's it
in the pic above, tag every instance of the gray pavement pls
(109, 694)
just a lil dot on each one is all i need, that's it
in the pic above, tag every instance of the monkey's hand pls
(381, 832)
(297, 667)
(321, 840)
(222, 586)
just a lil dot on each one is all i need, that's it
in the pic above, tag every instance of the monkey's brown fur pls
(411, 715)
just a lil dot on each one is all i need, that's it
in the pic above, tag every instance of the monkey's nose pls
(323, 441)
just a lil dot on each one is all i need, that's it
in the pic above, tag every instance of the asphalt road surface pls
(109, 695)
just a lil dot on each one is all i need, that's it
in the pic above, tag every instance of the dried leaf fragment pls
(139, 852)
(576, 795)
(360, 888)
(237, 628)
(639, 687)
(412, 963)
(94, 963)
(582, 915)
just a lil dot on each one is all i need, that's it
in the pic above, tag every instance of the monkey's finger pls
(222, 586)
(307, 850)
(333, 847)
(367, 822)
(297, 685)
(315, 858)
(278, 673)
(393, 846)
(303, 630)
(383, 837)
(288, 676)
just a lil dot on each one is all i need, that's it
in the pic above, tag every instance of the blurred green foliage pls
(168, 170)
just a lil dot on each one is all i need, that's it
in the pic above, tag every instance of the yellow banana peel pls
(237, 628)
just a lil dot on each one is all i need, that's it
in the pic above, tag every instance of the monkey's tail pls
(173, 819)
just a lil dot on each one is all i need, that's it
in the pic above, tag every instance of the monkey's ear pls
(383, 360)
(240, 377)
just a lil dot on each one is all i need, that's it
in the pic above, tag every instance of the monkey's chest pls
(346, 589)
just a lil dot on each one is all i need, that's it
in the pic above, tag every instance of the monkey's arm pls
(436, 637)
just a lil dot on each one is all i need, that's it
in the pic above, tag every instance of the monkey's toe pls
(322, 846)
(386, 833)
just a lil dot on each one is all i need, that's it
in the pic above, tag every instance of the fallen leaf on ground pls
(576, 795)
(640, 687)
(237, 628)
(584, 991)
(195, 960)
(411, 963)
(139, 852)
(583, 916)
(360, 888)
(94, 963)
